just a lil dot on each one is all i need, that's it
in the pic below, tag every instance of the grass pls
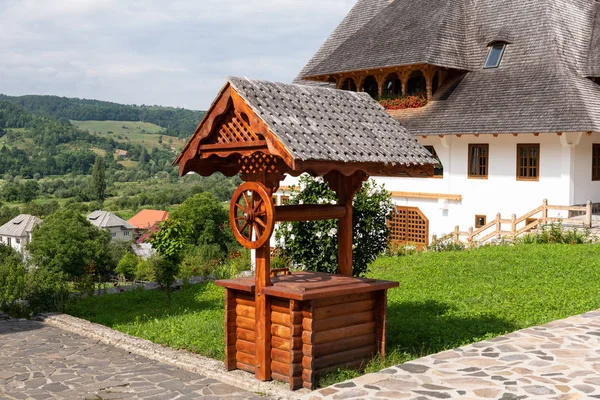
(445, 300)
(143, 133)
(194, 322)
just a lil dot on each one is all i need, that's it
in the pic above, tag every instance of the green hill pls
(177, 122)
(143, 133)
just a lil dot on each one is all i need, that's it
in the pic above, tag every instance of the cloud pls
(153, 51)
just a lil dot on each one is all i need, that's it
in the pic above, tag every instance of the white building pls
(16, 233)
(513, 102)
(118, 227)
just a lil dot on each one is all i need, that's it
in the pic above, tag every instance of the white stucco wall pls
(565, 179)
(20, 247)
(584, 188)
(117, 233)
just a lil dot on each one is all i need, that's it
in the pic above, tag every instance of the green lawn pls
(136, 132)
(445, 300)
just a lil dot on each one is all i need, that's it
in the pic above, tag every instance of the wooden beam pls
(345, 187)
(422, 195)
(262, 369)
(309, 212)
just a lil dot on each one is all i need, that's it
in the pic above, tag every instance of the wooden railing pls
(496, 229)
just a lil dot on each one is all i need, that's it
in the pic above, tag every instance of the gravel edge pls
(178, 358)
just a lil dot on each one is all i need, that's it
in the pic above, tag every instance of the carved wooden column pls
(380, 83)
(345, 187)
(429, 73)
(404, 75)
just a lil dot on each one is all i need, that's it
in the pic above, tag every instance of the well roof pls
(324, 124)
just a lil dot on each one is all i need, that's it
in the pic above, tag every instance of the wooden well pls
(319, 322)
(294, 327)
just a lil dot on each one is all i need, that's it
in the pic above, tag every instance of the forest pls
(177, 122)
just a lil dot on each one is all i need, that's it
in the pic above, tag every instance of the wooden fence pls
(515, 226)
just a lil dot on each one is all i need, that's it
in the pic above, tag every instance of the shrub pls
(127, 265)
(313, 245)
(446, 243)
(143, 271)
(47, 290)
(200, 261)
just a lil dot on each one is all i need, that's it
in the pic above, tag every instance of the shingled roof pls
(308, 127)
(20, 226)
(325, 124)
(359, 15)
(541, 85)
(404, 33)
(105, 219)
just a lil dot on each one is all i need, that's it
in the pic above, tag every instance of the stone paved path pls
(39, 362)
(560, 360)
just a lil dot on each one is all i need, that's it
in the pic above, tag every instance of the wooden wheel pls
(251, 215)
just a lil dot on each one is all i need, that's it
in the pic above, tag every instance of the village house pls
(16, 233)
(512, 93)
(118, 227)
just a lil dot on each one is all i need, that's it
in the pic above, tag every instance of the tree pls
(67, 242)
(314, 245)
(99, 179)
(164, 271)
(127, 265)
(205, 220)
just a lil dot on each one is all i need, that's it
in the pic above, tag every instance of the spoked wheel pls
(251, 215)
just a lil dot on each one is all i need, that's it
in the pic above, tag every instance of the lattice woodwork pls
(234, 129)
(259, 162)
(408, 225)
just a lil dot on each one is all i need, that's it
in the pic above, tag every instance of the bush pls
(313, 245)
(164, 271)
(200, 261)
(127, 265)
(446, 243)
(143, 271)
(47, 290)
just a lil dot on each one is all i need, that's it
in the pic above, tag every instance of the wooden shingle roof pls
(313, 129)
(541, 85)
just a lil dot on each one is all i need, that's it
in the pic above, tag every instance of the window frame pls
(434, 154)
(537, 163)
(493, 46)
(487, 161)
(478, 216)
(595, 162)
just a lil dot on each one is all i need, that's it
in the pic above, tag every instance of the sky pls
(164, 52)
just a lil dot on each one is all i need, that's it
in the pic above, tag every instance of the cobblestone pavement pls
(560, 360)
(39, 362)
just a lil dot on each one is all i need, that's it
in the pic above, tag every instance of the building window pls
(8, 241)
(528, 162)
(438, 170)
(478, 160)
(126, 233)
(349, 85)
(416, 83)
(495, 55)
(392, 86)
(370, 86)
(480, 221)
(114, 234)
(596, 162)
(285, 200)
(18, 241)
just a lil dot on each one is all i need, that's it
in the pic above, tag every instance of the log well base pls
(319, 322)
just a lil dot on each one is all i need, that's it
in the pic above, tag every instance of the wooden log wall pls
(338, 332)
(308, 338)
(245, 332)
